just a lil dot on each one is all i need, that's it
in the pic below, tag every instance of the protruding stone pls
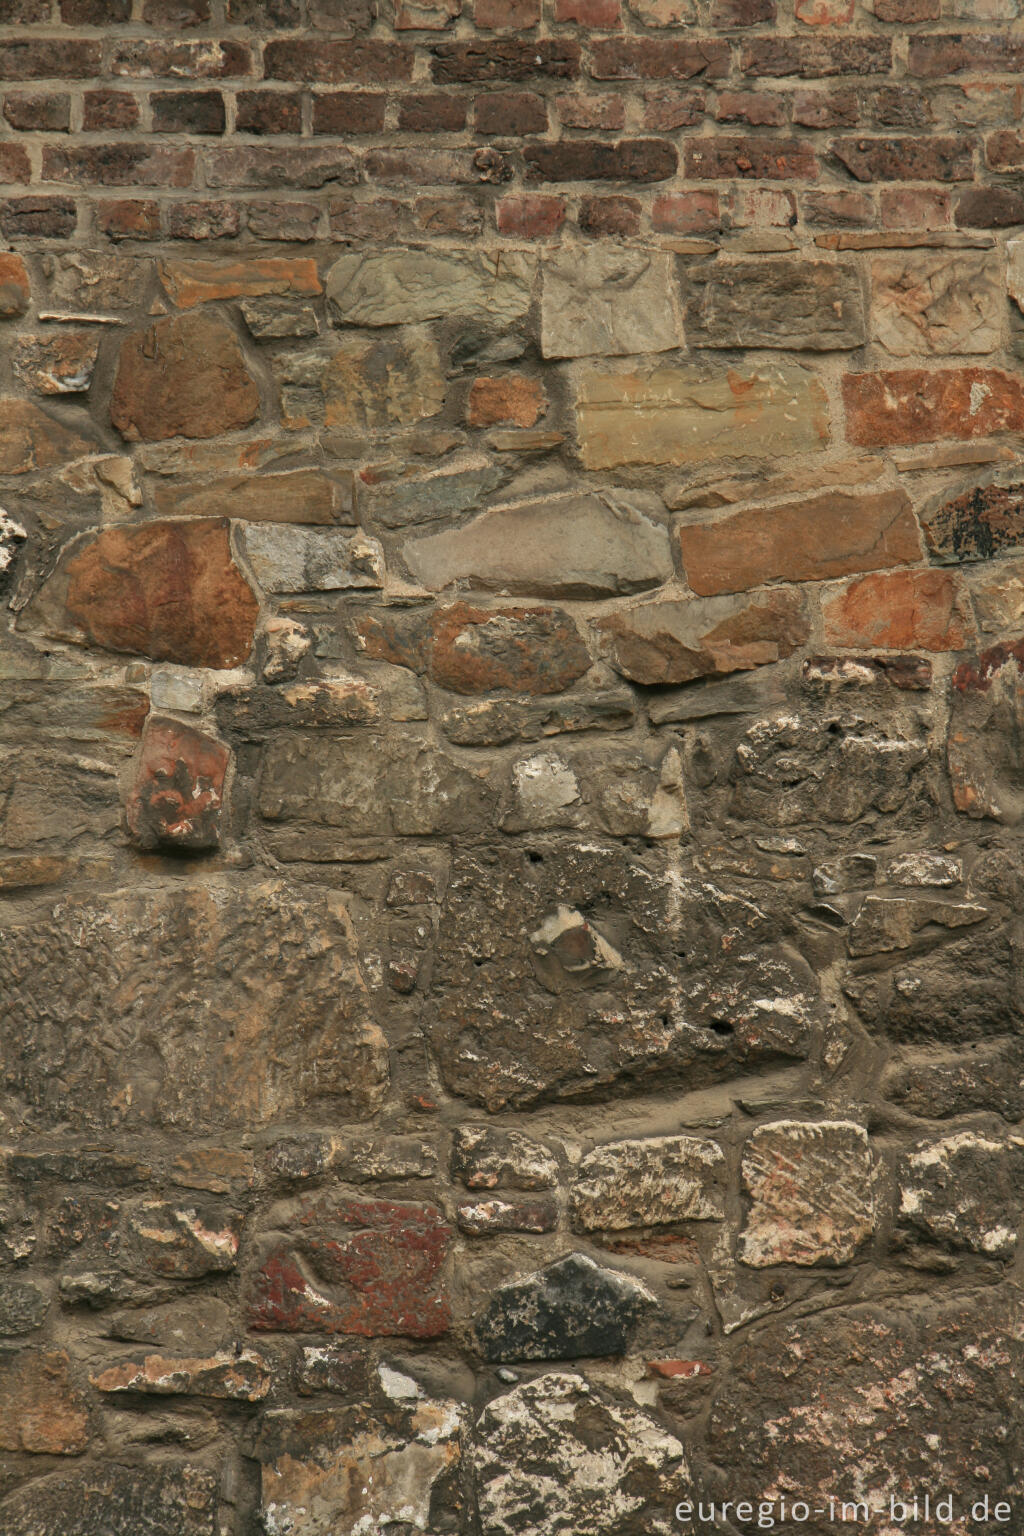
(179, 788)
(962, 1192)
(607, 300)
(404, 287)
(182, 1241)
(568, 1310)
(546, 794)
(646, 1183)
(676, 640)
(481, 1218)
(812, 1188)
(886, 923)
(183, 377)
(23, 1307)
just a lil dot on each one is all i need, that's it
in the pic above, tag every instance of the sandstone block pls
(507, 400)
(676, 640)
(900, 610)
(56, 365)
(812, 1189)
(95, 281)
(31, 439)
(936, 302)
(45, 1413)
(408, 287)
(15, 290)
(183, 377)
(609, 301)
(814, 306)
(912, 405)
(191, 281)
(375, 385)
(986, 716)
(297, 496)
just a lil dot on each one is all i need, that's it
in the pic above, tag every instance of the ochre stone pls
(191, 282)
(44, 1413)
(510, 399)
(675, 640)
(30, 439)
(913, 405)
(15, 290)
(183, 377)
(900, 610)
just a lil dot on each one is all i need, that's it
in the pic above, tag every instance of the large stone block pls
(962, 1192)
(936, 302)
(607, 300)
(183, 377)
(914, 405)
(676, 640)
(796, 305)
(31, 439)
(985, 724)
(404, 287)
(187, 1005)
(286, 559)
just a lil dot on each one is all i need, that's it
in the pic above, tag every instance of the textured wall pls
(511, 722)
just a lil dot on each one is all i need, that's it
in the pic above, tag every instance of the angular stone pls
(162, 1499)
(167, 590)
(553, 1454)
(95, 281)
(812, 540)
(936, 302)
(12, 536)
(45, 1414)
(15, 289)
(377, 1268)
(473, 650)
(375, 385)
(814, 306)
(181, 1241)
(981, 521)
(405, 287)
(962, 1192)
(487, 1159)
(985, 722)
(333, 1368)
(183, 377)
(179, 788)
(23, 1307)
(299, 496)
(510, 399)
(675, 640)
(646, 1183)
(914, 405)
(349, 1471)
(824, 675)
(401, 495)
(813, 1193)
(31, 439)
(546, 794)
(997, 592)
(192, 280)
(924, 869)
(481, 1218)
(570, 1309)
(60, 364)
(887, 923)
(609, 300)
(1015, 271)
(958, 994)
(899, 609)
(690, 413)
(287, 559)
(278, 319)
(254, 714)
(578, 545)
(271, 965)
(241, 1376)
(493, 722)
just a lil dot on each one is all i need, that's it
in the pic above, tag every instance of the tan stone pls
(197, 281)
(372, 385)
(685, 414)
(402, 287)
(299, 496)
(997, 591)
(607, 300)
(813, 1193)
(60, 363)
(675, 640)
(936, 302)
(183, 377)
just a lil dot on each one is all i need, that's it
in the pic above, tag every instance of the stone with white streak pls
(962, 1192)
(644, 1183)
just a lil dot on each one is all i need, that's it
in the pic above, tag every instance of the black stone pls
(570, 1309)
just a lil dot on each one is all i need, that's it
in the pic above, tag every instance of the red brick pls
(901, 106)
(994, 53)
(129, 218)
(188, 112)
(901, 610)
(508, 112)
(147, 59)
(741, 13)
(591, 112)
(336, 63)
(821, 537)
(1004, 151)
(42, 112)
(532, 218)
(602, 15)
(591, 160)
(268, 112)
(839, 210)
(686, 213)
(109, 110)
(652, 58)
(824, 13)
(203, 220)
(826, 109)
(15, 167)
(989, 208)
(664, 111)
(614, 216)
(436, 112)
(816, 57)
(762, 159)
(283, 221)
(558, 58)
(755, 108)
(50, 217)
(377, 220)
(384, 1259)
(119, 165)
(45, 59)
(912, 405)
(176, 799)
(915, 208)
(346, 112)
(906, 159)
(511, 400)
(506, 15)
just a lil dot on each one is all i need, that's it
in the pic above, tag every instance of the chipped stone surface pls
(239, 1377)
(645, 1183)
(487, 1159)
(166, 1499)
(570, 1309)
(676, 640)
(407, 287)
(179, 789)
(184, 377)
(609, 301)
(936, 302)
(813, 1193)
(45, 1412)
(287, 559)
(761, 301)
(962, 1191)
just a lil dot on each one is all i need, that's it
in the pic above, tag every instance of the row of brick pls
(330, 61)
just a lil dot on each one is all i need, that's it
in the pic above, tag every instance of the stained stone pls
(23, 1307)
(407, 287)
(162, 1499)
(813, 1193)
(676, 640)
(183, 377)
(238, 1376)
(936, 302)
(487, 1159)
(285, 559)
(607, 300)
(374, 385)
(570, 1309)
(985, 722)
(814, 306)
(982, 520)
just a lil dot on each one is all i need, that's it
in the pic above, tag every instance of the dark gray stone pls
(159, 1500)
(570, 1309)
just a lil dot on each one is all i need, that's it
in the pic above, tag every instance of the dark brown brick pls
(501, 60)
(40, 112)
(996, 53)
(590, 160)
(148, 59)
(510, 112)
(188, 112)
(44, 59)
(119, 165)
(94, 13)
(989, 208)
(203, 220)
(268, 112)
(333, 63)
(813, 58)
(274, 13)
(1004, 151)
(283, 221)
(432, 112)
(905, 159)
(603, 216)
(176, 13)
(345, 112)
(53, 218)
(109, 110)
(128, 218)
(447, 216)
(12, 11)
(762, 159)
(15, 166)
(757, 108)
(654, 58)
(901, 106)
(742, 13)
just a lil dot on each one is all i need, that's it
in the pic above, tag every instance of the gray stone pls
(991, 1076)
(646, 1183)
(986, 721)
(492, 722)
(95, 281)
(273, 318)
(849, 872)
(23, 1307)
(767, 301)
(565, 546)
(677, 640)
(924, 868)
(608, 300)
(570, 1309)
(404, 287)
(959, 993)
(162, 1499)
(887, 923)
(813, 1193)
(962, 1191)
(408, 496)
(554, 1455)
(729, 696)
(287, 559)
(546, 794)
(940, 303)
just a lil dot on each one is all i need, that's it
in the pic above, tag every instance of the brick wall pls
(511, 702)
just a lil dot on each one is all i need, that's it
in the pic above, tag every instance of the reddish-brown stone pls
(977, 676)
(835, 534)
(183, 377)
(30, 439)
(762, 159)
(906, 159)
(14, 287)
(913, 405)
(511, 399)
(43, 1412)
(532, 218)
(167, 590)
(895, 610)
(179, 788)
(377, 1266)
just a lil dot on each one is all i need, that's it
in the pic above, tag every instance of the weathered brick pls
(432, 112)
(742, 13)
(268, 112)
(591, 112)
(533, 218)
(601, 15)
(812, 58)
(824, 13)
(447, 216)
(592, 160)
(932, 55)
(176, 14)
(651, 58)
(50, 59)
(41, 112)
(188, 112)
(94, 13)
(53, 217)
(119, 165)
(1004, 151)
(283, 221)
(666, 110)
(15, 166)
(756, 108)
(686, 213)
(140, 59)
(989, 208)
(614, 216)
(839, 210)
(367, 61)
(291, 166)
(915, 207)
(914, 406)
(115, 111)
(128, 218)
(203, 219)
(345, 112)
(558, 59)
(506, 15)
(905, 159)
(509, 112)
(902, 106)
(906, 12)
(723, 158)
(376, 220)
(826, 109)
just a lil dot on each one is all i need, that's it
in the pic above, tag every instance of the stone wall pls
(511, 728)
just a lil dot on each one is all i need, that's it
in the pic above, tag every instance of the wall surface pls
(511, 729)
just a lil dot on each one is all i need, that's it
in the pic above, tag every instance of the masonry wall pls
(511, 720)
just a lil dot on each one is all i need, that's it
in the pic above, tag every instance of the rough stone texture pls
(914, 406)
(406, 287)
(644, 1183)
(981, 521)
(962, 1192)
(179, 789)
(569, 1310)
(609, 302)
(984, 724)
(182, 378)
(166, 1499)
(813, 306)
(45, 1413)
(679, 640)
(285, 559)
(939, 303)
(927, 609)
(812, 1191)
(241, 1377)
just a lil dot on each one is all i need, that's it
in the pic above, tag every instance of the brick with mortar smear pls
(532, 218)
(199, 112)
(38, 112)
(203, 220)
(364, 62)
(610, 216)
(432, 112)
(346, 112)
(591, 160)
(685, 213)
(761, 208)
(501, 59)
(109, 111)
(268, 112)
(119, 165)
